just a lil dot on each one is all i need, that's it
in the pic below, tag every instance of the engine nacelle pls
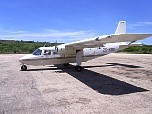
(66, 50)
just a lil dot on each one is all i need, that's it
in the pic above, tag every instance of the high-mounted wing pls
(99, 41)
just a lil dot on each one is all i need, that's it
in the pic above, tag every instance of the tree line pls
(145, 49)
(12, 46)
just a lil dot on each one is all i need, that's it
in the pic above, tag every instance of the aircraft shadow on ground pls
(101, 83)
(42, 69)
(108, 64)
(124, 65)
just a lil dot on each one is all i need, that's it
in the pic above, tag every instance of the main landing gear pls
(79, 54)
(23, 68)
(78, 68)
(66, 64)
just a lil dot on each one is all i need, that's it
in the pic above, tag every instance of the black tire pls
(23, 68)
(66, 64)
(78, 68)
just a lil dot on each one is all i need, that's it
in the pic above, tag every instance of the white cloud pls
(139, 24)
(48, 35)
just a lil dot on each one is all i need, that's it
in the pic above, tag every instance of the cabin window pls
(54, 53)
(47, 52)
(37, 52)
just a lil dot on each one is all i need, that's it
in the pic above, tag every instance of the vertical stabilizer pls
(121, 28)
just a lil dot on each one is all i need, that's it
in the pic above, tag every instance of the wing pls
(99, 41)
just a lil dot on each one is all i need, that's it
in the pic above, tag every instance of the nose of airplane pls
(24, 58)
(21, 59)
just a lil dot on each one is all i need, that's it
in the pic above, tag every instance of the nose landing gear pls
(23, 68)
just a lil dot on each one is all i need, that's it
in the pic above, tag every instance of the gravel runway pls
(112, 84)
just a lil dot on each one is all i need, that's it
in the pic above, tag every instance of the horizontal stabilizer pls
(136, 44)
(124, 38)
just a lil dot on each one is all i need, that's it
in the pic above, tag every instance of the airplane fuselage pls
(55, 56)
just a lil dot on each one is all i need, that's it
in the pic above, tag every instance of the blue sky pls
(72, 20)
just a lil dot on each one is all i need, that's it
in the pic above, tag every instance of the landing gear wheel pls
(66, 64)
(23, 67)
(78, 68)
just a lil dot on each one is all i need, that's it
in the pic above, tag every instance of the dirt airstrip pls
(112, 84)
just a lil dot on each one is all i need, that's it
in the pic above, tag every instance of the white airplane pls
(82, 51)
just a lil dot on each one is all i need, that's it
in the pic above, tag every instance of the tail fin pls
(121, 28)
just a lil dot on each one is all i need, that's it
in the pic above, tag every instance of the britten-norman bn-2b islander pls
(82, 51)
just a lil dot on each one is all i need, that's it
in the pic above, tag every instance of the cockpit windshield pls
(37, 52)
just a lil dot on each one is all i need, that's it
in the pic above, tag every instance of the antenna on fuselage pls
(56, 48)
(45, 44)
